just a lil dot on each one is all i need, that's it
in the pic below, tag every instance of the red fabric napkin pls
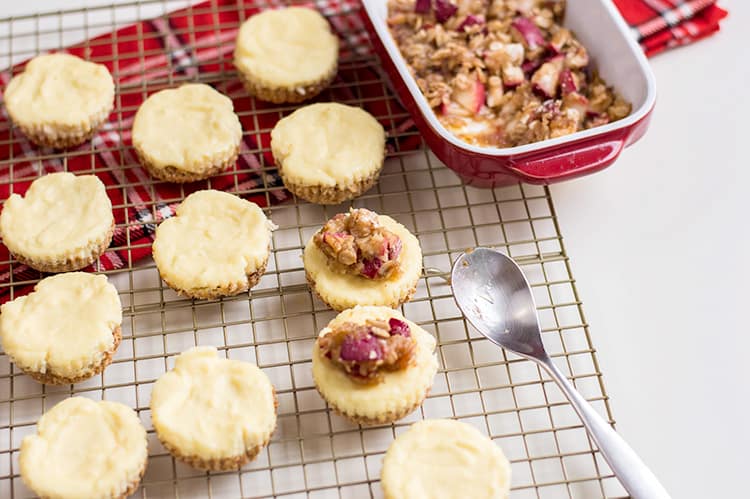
(140, 57)
(143, 56)
(664, 24)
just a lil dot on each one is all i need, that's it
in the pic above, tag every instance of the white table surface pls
(659, 247)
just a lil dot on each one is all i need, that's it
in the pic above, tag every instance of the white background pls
(659, 245)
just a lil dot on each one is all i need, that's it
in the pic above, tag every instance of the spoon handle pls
(637, 479)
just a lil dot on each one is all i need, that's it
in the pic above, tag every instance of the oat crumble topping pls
(358, 244)
(366, 351)
(502, 72)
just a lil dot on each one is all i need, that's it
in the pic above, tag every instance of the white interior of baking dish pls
(614, 52)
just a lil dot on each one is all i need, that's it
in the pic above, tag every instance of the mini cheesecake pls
(286, 55)
(362, 258)
(60, 100)
(372, 365)
(64, 331)
(187, 133)
(83, 448)
(213, 413)
(328, 153)
(444, 458)
(228, 243)
(63, 222)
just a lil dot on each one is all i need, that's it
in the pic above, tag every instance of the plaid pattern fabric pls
(200, 39)
(659, 25)
(179, 46)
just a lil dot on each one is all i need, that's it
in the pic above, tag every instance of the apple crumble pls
(365, 351)
(502, 72)
(357, 243)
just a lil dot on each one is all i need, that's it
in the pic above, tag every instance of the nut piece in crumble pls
(502, 72)
(357, 243)
(365, 351)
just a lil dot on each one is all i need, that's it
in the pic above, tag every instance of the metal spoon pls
(496, 298)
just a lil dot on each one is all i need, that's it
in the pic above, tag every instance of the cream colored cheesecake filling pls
(444, 459)
(60, 216)
(347, 290)
(84, 448)
(328, 144)
(215, 239)
(286, 47)
(213, 407)
(59, 89)
(188, 128)
(399, 389)
(64, 326)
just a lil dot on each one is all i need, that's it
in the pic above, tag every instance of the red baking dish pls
(614, 52)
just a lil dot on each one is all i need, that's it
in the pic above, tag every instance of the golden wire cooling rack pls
(314, 453)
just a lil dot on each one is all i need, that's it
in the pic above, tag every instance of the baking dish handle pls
(572, 161)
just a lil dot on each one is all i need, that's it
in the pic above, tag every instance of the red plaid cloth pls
(664, 24)
(182, 44)
(201, 38)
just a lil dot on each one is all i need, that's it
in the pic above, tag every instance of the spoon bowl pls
(505, 314)
(495, 297)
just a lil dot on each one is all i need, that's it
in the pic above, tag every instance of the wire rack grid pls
(315, 453)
